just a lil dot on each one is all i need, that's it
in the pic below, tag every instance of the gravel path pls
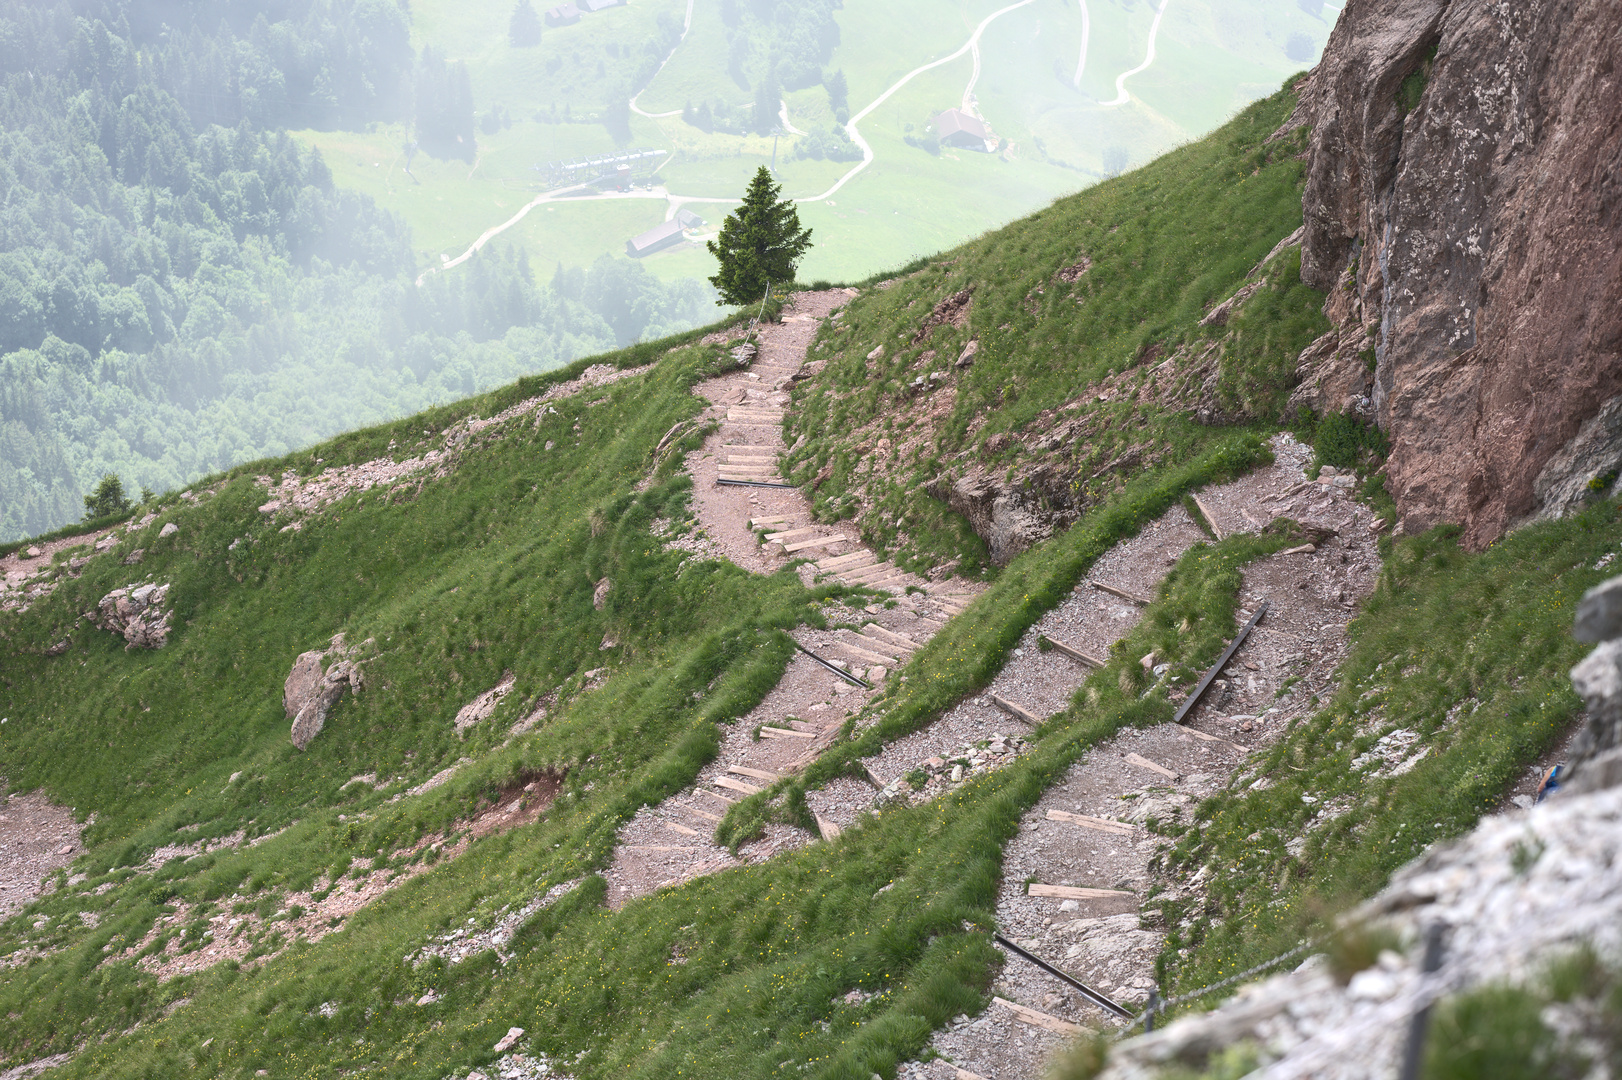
(1098, 937)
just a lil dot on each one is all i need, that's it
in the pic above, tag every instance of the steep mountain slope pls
(512, 643)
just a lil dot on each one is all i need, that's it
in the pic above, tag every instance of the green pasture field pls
(562, 69)
(1211, 62)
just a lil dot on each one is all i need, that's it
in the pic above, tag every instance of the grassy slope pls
(492, 569)
(1166, 243)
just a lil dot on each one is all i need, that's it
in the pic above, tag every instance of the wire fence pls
(1156, 1005)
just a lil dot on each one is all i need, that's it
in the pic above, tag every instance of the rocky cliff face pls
(1464, 209)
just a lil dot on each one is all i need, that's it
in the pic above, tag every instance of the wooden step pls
(1074, 653)
(1144, 763)
(1209, 516)
(863, 655)
(878, 645)
(1141, 601)
(1087, 821)
(884, 581)
(1185, 729)
(1037, 1018)
(1018, 712)
(836, 538)
(705, 814)
(899, 640)
(841, 562)
(793, 534)
(715, 795)
(758, 774)
(736, 785)
(769, 732)
(828, 829)
(767, 522)
(684, 830)
(1070, 892)
(869, 573)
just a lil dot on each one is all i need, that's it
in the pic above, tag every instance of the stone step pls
(899, 640)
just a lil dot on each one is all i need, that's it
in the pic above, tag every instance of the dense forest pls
(183, 287)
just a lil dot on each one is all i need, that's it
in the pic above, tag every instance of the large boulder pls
(136, 613)
(313, 687)
(1463, 207)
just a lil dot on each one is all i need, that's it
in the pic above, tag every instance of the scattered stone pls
(482, 706)
(168, 530)
(31, 552)
(876, 353)
(970, 351)
(137, 615)
(310, 692)
(508, 1040)
(599, 595)
(134, 557)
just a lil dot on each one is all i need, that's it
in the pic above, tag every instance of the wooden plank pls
(875, 778)
(792, 534)
(964, 1074)
(655, 847)
(840, 562)
(752, 459)
(1018, 712)
(1037, 1018)
(1144, 763)
(684, 830)
(1185, 729)
(736, 785)
(822, 542)
(1071, 892)
(879, 644)
(1210, 518)
(863, 655)
(715, 795)
(757, 523)
(784, 733)
(1074, 653)
(1141, 601)
(758, 774)
(802, 726)
(1304, 549)
(898, 640)
(1087, 821)
(705, 814)
(828, 829)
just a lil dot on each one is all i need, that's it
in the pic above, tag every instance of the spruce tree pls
(524, 28)
(759, 245)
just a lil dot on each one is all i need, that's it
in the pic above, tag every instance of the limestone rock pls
(313, 688)
(1465, 160)
(482, 706)
(31, 552)
(1599, 614)
(599, 595)
(137, 614)
(134, 557)
(169, 529)
(1007, 518)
